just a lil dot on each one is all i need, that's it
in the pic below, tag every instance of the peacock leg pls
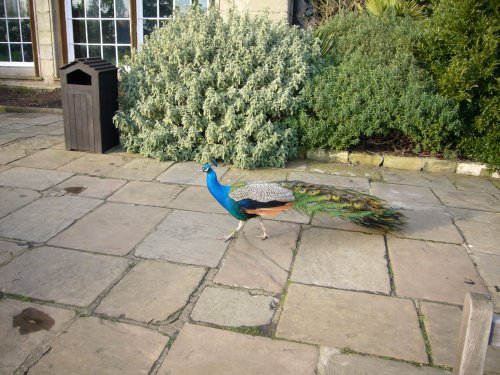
(233, 233)
(264, 234)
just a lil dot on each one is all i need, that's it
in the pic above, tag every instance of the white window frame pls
(19, 18)
(69, 29)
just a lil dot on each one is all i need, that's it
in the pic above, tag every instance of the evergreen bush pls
(203, 88)
(371, 86)
(462, 49)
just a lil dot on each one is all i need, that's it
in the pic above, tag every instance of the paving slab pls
(197, 198)
(87, 186)
(8, 250)
(32, 178)
(113, 228)
(13, 127)
(44, 218)
(141, 169)
(201, 350)
(48, 159)
(356, 183)
(9, 154)
(433, 271)
(235, 174)
(13, 198)
(146, 193)
(94, 165)
(488, 266)
(233, 308)
(473, 201)
(426, 223)
(404, 196)
(20, 337)
(61, 275)
(475, 184)
(189, 173)
(325, 221)
(41, 119)
(481, 237)
(168, 289)
(366, 323)
(341, 259)
(94, 346)
(442, 324)
(352, 364)
(475, 215)
(188, 237)
(6, 138)
(346, 170)
(431, 180)
(38, 142)
(255, 264)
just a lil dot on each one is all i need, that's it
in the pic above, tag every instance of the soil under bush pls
(24, 97)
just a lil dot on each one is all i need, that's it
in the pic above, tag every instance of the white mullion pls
(20, 29)
(86, 27)
(140, 23)
(69, 30)
(116, 32)
(100, 30)
(7, 29)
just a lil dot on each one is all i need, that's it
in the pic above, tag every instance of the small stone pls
(372, 173)
(234, 308)
(439, 166)
(202, 350)
(408, 163)
(473, 169)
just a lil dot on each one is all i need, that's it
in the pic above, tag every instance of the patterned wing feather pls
(262, 192)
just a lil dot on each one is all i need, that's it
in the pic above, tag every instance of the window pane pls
(2, 8)
(94, 31)
(26, 30)
(3, 31)
(123, 32)
(11, 8)
(92, 8)
(80, 51)
(183, 5)
(28, 52)
(108, 31)
(149, 8)
(122, 51)
(107, 10)
(166, 8)
(94, 51)
(24, 8)
(122, 8)
(109, 54)
(77, 9)
(4, 52)
(79, 31)
(15, 53)
(14, 31)
(148, 26)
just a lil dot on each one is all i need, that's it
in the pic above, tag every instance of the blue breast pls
(221, 194)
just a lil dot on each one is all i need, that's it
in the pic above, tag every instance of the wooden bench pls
(478, 329)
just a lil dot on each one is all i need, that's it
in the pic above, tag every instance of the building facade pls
(39, 36)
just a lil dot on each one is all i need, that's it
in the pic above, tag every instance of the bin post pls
(90, 99)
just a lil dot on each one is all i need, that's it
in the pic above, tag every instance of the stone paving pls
(111, 264)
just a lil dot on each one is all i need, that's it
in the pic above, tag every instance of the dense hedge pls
(371, 86)
(203, 88)
(462, 49)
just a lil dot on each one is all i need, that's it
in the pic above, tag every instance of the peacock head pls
(207, 167)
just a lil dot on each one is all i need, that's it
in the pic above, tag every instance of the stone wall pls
(45, 35)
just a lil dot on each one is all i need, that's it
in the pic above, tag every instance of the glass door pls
(98, 28)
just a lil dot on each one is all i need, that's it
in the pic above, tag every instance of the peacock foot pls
(263, 236)
(228, 237)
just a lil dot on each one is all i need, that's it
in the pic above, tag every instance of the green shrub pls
(461, 46)
(371, 86)
(203, 88)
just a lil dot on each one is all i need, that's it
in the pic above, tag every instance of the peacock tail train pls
(347, 204)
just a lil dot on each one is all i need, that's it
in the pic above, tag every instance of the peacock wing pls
(263, 192)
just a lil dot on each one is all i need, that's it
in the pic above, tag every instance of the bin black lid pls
(95, 63)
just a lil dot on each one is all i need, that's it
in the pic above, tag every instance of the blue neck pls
(220, 192)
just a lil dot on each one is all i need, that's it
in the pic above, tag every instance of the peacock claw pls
(227, 238)
(263, 236)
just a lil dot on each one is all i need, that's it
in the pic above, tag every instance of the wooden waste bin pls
(89, 99)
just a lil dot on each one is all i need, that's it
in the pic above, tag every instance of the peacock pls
(246, 200)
